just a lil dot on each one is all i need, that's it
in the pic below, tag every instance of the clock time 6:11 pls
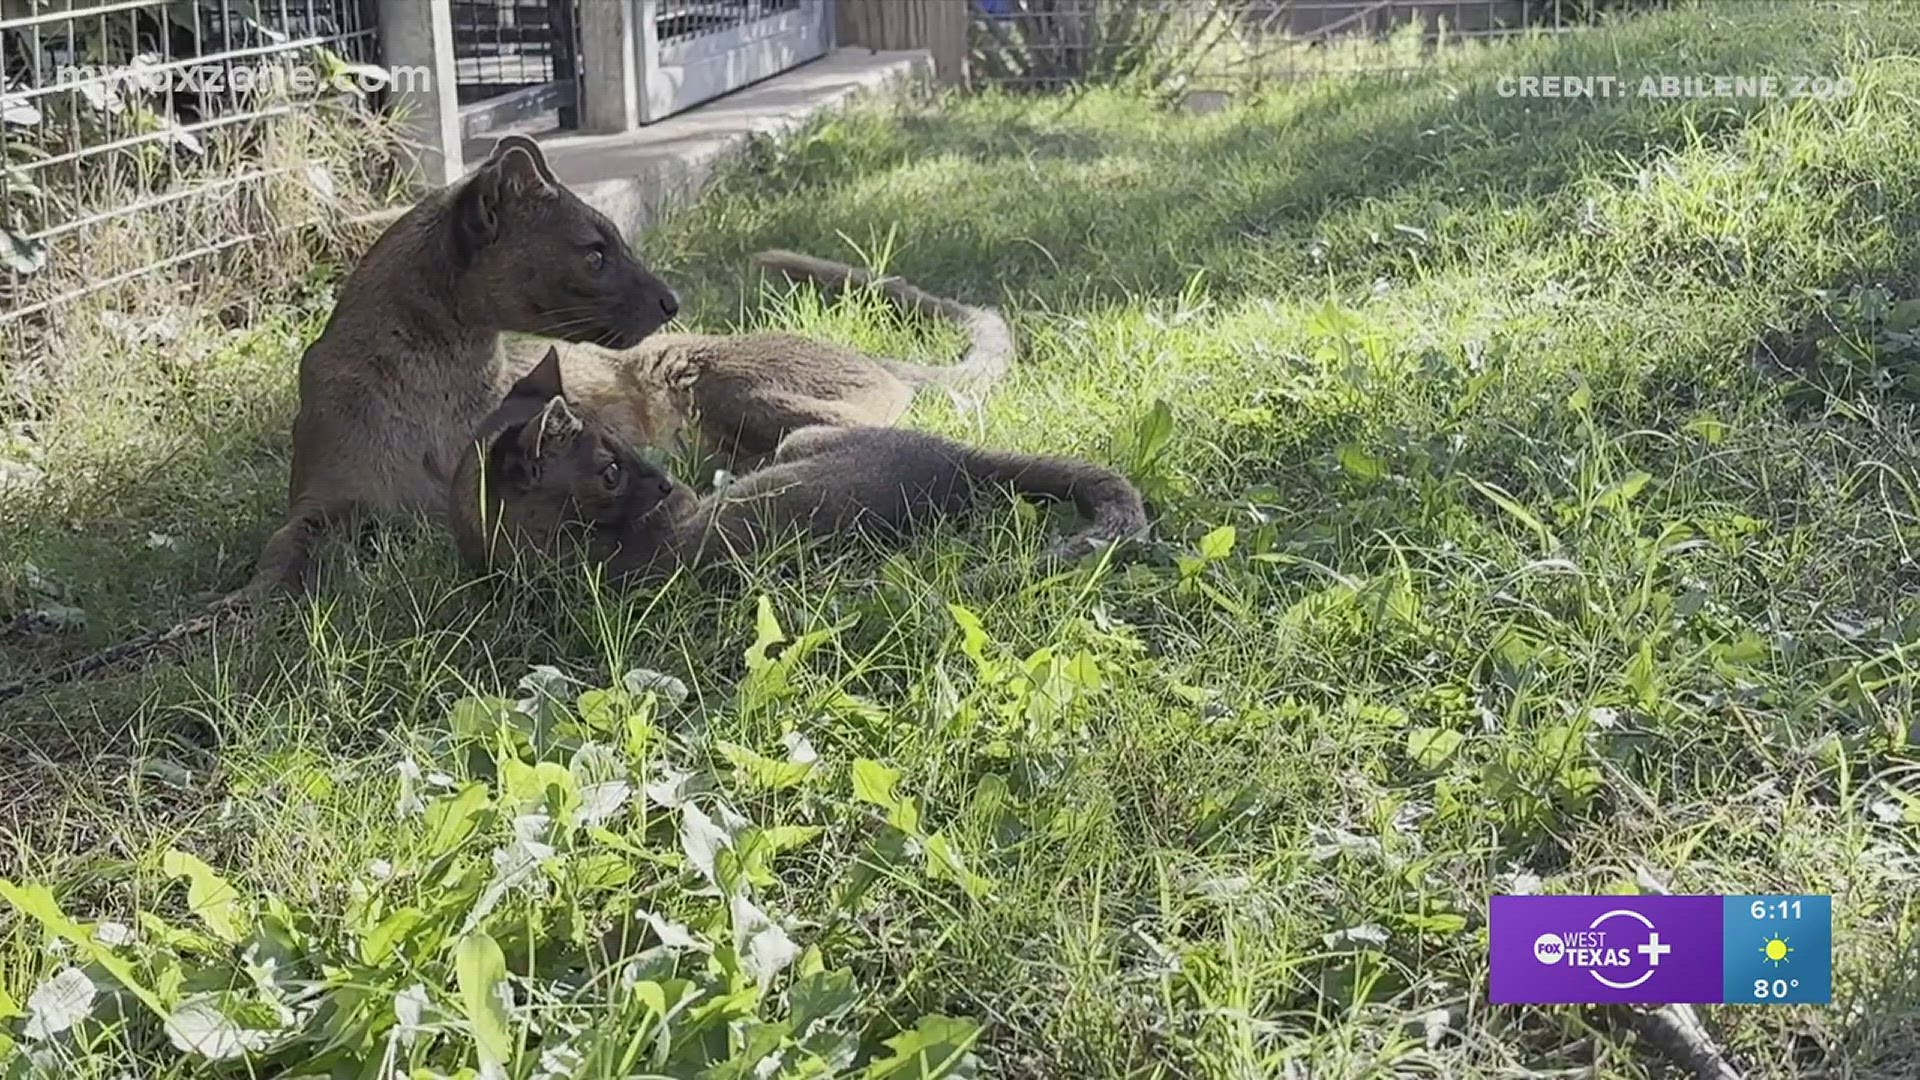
(1782, 909)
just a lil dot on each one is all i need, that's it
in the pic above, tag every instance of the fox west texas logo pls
(1610, 948)
(1568, 950)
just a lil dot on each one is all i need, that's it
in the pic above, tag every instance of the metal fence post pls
(563, 31)
(646, 47)
(610, 53)
(418, 35)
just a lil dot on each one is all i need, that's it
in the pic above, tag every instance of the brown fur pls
(537, 479)
(736, 396)
(410, 361)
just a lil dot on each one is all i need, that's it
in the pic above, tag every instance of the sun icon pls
(1777, 950)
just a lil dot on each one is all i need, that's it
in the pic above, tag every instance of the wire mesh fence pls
(1230, 44)
(142, 135)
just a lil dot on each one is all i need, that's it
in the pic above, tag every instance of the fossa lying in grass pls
(735, 396)
(545, 475)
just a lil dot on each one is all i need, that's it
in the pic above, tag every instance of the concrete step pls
(635, 175)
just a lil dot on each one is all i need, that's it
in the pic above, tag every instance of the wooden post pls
(418, 35)
(610, 50)
(947, 23)
(938, 26)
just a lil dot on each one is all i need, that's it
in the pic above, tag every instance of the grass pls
(1536, 492)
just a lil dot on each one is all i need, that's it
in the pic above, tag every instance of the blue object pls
(1777, 950)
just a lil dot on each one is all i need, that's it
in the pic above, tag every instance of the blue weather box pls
(1777, 950)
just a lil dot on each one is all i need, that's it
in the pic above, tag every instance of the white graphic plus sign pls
(1653, 949)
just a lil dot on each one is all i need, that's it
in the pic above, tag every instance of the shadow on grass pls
(160, 491)
(1066, 206)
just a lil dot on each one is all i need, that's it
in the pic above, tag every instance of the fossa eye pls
(610, 475)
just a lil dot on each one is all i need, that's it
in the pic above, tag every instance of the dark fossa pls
(411, 361)
(544, 475)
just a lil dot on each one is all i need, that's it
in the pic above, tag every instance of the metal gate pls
(515, 58)
(696, 50)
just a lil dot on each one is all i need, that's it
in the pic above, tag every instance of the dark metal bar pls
(565, 36)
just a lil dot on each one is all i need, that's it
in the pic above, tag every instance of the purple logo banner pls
(1617, 950)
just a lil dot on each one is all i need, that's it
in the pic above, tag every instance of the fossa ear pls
(517, 169)
(523, 165)
(543, 382)
(556, 425)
